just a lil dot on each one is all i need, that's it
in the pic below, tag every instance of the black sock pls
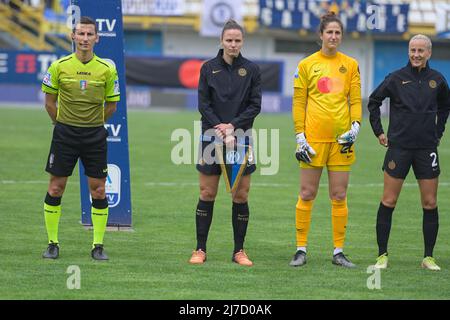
(100, 203)
(384, 221)
(240, 222)
(430, 229)
(52, 201)
(203, 219)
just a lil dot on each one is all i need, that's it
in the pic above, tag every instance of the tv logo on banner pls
(112, 186)
(115, 132)
(106, 27)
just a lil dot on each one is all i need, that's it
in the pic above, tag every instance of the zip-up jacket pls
(419, 107)
(229, 93)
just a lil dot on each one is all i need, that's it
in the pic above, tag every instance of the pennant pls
(233, 161)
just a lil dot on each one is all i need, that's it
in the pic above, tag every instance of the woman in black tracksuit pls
(419, 107)
(229, 98)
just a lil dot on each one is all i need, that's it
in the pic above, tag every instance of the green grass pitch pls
(151, 262)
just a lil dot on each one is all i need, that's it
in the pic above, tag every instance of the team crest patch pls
(296, 73)
(242, 72)
(51, 159)
(83, 85)
(116, 87)
(342, 69)
(432, 84)
(391, 165)
(250, 160)
(47, 79)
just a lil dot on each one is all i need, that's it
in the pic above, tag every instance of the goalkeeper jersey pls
(327, 96)
(82, 89)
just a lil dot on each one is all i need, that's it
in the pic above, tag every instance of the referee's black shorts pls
(70, 143)
(209, 164)
(425, 162)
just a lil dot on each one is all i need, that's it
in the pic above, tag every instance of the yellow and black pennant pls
(234, 162)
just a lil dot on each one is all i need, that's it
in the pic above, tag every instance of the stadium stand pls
(40, 24)
(174, 38)
(32, 25)
(137, 15)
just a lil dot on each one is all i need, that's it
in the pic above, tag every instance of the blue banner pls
(356, 16)
(26, 66)
(108, 15)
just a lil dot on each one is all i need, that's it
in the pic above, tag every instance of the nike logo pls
(216, 71)
(317, 70)
(405, 82)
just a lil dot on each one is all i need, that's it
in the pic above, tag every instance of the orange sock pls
(302, 220)
(339, 217)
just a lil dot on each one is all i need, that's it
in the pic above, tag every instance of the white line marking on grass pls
(23, 182)
(255, 184)
(195, 184)
(283, 185)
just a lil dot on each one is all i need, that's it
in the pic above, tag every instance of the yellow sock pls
(339, 217)
(99, 219)
(302, 221)
(52, 215)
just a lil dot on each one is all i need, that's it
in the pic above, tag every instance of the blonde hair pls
(422, 37)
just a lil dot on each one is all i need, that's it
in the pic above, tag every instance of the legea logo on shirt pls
(112, 185)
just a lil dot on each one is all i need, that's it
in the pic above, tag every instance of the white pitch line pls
(195, 184)
(23, 182)
(443, 184)
(284, 185)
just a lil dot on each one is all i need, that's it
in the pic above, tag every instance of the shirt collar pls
(236, 62)
(415, 70)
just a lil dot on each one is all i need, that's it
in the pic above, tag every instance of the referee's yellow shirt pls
(82, 89)
(327, 96)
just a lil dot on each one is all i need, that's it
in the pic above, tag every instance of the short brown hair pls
(85, 20)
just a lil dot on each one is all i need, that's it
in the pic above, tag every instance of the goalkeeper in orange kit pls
(326, 110)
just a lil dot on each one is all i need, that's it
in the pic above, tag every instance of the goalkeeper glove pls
(304, 151)
(348, 138)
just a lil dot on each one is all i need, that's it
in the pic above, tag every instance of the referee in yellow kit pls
(81, 93)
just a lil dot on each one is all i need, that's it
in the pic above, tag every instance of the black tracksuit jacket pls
(419, 107)
(229, 93)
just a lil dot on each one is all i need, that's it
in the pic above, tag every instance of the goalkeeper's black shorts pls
(425, 162)
(70, 143)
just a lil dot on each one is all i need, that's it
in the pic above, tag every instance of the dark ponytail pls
(327, 18)
(232, 25)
